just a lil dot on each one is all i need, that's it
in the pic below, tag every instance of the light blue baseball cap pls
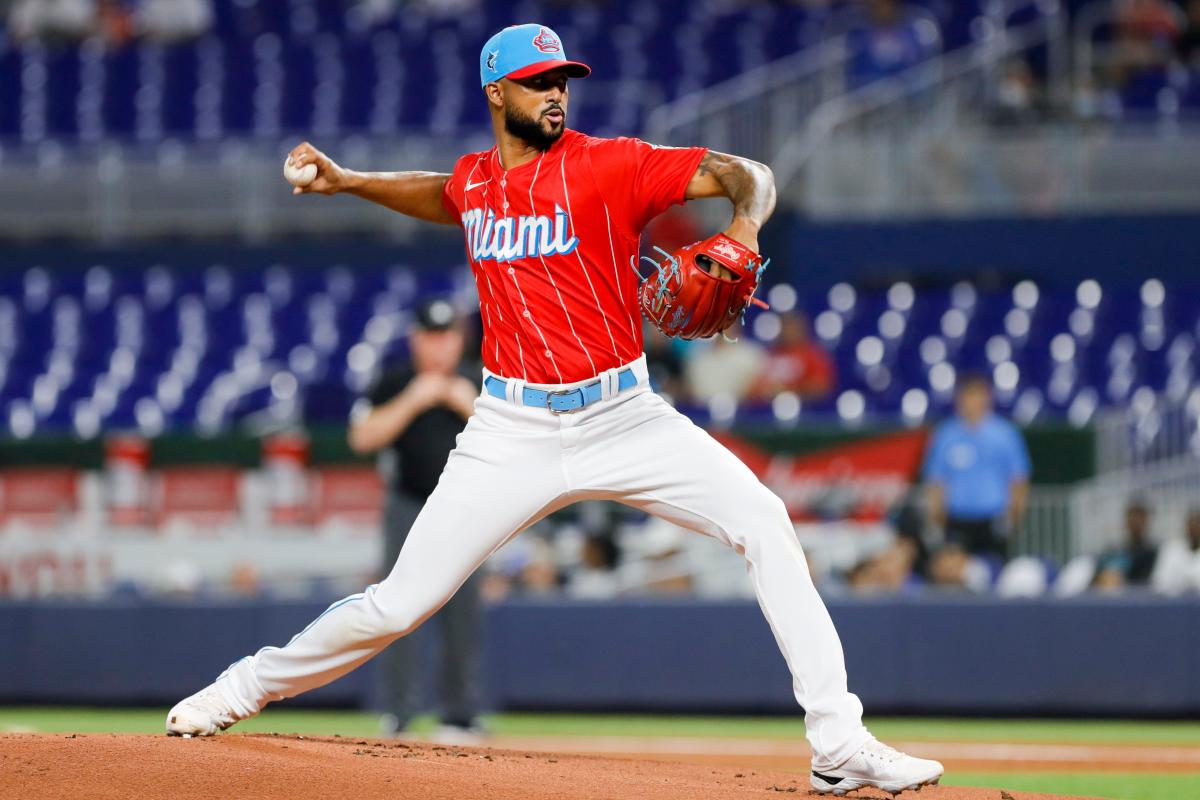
(520, 51)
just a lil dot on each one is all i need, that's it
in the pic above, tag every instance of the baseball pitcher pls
(552, 220)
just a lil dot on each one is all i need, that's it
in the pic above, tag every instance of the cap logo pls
(547, 42)
(491, 60)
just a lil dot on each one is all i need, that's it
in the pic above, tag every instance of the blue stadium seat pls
(260, 65)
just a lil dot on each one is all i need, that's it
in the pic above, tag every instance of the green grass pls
(1074, 731)
(357, 723)
(151, 720)
(1118, 786)
(1115, 785)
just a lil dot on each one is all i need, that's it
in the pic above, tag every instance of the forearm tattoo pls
(748, 184)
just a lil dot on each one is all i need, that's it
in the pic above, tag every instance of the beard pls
(530, 130)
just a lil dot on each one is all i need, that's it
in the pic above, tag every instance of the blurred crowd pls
(737, 368)
(114, 21)
(952, 534)
(1139, 561)
(1151, 62)
(1141, 56)
(603, 551)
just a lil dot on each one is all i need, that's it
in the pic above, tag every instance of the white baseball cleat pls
(202, 714)
(877, 766)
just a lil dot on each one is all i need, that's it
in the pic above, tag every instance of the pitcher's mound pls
(265, 767)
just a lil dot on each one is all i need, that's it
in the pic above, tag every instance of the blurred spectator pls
(495, 585)
(1147, 29)
(795, 363)
(656, 559)
(1132, 564)
(891, 39)
(52, 19)
(117, 21)
(1177, 568)
(909, 523)
(663, 362)
(726, 367)
(596, 576)
(887, 572)
(863, 578)
(114, 21)
(953, 568)
(1188, 47)
(1145, 34)
(539, 575)
(1025, 576)
(245, 580)
(1019, 99)
(977, 469)
(1076, 576)
(172, 20)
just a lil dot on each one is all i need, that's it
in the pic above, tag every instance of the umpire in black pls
(412, 416)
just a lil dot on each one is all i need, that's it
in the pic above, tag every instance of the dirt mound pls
(254, 767)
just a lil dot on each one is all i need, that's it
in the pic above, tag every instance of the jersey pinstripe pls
(551, 244)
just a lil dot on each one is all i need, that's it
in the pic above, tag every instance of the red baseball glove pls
(702, 288)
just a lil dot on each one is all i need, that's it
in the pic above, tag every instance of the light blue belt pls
(564, 401)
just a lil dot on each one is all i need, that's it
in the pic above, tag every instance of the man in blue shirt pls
(977, 470)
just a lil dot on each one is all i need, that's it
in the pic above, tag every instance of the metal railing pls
(1047, 528)
(753, 113)
(938, 139)
(785, 112)
(877, 149)
(1152, 429)
(1169, 488)
(925, 143)
(113, 190)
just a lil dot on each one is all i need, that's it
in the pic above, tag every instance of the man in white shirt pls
(1178, 567)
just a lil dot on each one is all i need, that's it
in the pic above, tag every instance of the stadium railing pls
(1169, 488)
(1153, 429)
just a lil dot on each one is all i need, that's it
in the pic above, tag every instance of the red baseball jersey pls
(552, 243)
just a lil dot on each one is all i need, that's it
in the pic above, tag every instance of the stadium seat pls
(274, 66)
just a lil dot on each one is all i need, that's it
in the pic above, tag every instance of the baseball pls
(299, 177)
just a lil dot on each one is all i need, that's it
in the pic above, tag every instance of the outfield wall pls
(1127, 655)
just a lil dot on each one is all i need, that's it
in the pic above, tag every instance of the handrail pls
(1173, 485)
(801, 144)
(810, 62)
(762, 79)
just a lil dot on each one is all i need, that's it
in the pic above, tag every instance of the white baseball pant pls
(512, 466)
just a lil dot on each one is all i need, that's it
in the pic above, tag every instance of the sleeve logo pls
(547, 42)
